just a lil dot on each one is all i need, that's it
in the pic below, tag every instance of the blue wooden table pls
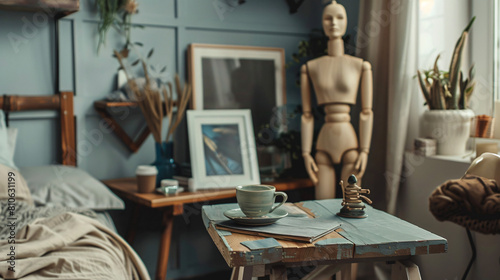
(380, 237)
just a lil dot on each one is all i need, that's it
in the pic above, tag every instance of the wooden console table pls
(379, 237)
(174, 205)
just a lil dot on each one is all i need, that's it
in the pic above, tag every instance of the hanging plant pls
(117, 14)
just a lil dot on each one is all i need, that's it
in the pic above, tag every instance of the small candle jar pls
(169, 186)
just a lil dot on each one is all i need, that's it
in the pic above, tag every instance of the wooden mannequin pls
(336, 78)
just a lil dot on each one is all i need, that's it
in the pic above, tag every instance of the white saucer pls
(238, 216)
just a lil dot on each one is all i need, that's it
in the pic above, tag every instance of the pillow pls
(6, 151)
(68, 186)
(11, 139)
(13, 186)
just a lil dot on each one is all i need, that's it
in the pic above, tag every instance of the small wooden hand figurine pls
(353, 205)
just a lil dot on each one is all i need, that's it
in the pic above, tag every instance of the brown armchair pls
(472, 201)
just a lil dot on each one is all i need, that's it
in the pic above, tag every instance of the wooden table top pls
(127, 188)
(380, 236)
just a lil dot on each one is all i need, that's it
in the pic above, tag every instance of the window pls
(440, 24)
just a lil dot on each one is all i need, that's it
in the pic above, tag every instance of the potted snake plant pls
(447, 95)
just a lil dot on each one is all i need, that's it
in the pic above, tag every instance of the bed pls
(54, 222)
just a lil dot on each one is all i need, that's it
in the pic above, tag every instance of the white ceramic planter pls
(451, 129)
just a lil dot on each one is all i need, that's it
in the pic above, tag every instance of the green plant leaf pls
(470, 24)
(151, 52)
(163, 69)
(424, 89)
(136, 62)
(139, 44)
(472, 72)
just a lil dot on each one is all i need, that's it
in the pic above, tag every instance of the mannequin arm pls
(366, 118)
(307, 126)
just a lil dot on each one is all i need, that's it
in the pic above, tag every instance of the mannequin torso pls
(341, 84)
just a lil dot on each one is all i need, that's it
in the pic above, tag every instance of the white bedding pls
(63, 245)
(105, 219)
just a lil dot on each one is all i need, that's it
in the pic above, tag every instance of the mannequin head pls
(334, 20)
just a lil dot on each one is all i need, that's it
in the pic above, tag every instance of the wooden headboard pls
(62, 102)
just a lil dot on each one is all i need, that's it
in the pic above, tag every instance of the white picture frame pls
(222, 148)
(238, 77)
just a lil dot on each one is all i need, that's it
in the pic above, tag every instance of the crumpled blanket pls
(472, 202)
(65, 246)
(25, 213)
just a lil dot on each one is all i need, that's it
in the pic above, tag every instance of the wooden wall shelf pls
(57, 7)
(102, 109)
(108, 104)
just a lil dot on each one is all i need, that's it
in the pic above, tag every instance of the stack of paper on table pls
(288, 228)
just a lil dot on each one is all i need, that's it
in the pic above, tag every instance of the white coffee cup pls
(258, 200)
(146, 178)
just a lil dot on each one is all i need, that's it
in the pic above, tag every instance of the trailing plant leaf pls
(116, 14)
(150, 53)
(136, 62)
(108, 10)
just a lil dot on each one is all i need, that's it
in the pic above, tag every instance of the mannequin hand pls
(360, 165)
(311, 168)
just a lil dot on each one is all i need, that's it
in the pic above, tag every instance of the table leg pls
(166, 236)
(345, 272)
(242, 273)
(322, 272)
(133, 224)
(354, 271)
(278, 273)
(405, 270)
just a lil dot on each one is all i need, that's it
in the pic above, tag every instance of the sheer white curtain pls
(387, 38)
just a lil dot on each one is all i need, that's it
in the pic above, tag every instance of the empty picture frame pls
(238, 77)
(222, 148)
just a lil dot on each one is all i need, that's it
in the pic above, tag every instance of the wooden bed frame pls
(62, 102)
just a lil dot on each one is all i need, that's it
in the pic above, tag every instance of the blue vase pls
(164, 161)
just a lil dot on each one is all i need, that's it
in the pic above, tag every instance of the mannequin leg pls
(326, 176)
(348, 162)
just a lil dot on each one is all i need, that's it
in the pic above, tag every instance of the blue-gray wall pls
(27, 55)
